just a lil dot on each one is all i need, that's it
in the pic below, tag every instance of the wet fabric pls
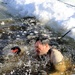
(56, 56)
(62, 68)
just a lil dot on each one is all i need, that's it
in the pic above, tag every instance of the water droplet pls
(3, 32)
(11, 72)
(24, 31)
(23, 34)
(74, 69)
(18, 35)
(2, 23)
(3, 73)
(62, 73)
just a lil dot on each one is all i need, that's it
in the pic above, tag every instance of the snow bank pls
(60, 16)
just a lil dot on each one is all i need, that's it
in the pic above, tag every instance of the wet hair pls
(43, 39)
(16, 47)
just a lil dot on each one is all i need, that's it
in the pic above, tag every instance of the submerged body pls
(58, 64)
(12, 60)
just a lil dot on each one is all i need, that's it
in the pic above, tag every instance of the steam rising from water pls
(60, 16)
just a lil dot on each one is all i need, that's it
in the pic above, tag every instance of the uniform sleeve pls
(57, 60)
(56, 56)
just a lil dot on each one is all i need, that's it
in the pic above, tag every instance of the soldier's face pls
(40, 48)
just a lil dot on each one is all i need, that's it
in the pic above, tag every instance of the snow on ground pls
(72, 2)
(60, 16)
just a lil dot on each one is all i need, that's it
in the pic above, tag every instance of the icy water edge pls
(23, 32)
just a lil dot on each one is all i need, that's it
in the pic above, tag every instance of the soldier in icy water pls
(57, 61)
(15, 51)
(19, 53)
(14, 56)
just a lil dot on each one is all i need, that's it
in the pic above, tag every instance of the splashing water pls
(27, 63)
(11, 32)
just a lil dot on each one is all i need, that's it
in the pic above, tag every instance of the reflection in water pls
(23, 34)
